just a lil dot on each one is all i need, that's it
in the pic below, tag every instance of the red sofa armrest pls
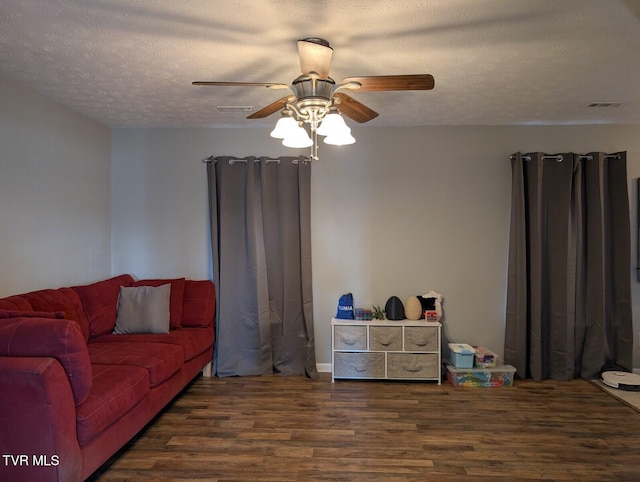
(38, 420)
(46, 337)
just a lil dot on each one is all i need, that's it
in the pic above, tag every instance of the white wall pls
(54, 194)
(159, 198)
(402, 211)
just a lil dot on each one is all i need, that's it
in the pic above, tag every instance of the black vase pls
(394, 309)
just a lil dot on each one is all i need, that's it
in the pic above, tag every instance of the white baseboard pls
(323, 367)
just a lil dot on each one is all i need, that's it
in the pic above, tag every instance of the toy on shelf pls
(363, 314)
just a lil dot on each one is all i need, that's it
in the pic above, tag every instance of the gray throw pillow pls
(143, 309)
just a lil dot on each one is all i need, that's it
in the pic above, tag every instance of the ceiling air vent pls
(606, 104)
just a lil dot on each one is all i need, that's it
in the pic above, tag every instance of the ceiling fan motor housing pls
(311, 87)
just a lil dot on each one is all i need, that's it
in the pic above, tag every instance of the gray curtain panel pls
(569, 286)
(261, 254)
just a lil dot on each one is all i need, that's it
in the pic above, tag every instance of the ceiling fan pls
(317, 100)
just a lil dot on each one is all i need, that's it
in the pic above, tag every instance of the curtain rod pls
(559, 158)
(233, 160)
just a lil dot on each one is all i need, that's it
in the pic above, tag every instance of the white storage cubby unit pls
(386, 349)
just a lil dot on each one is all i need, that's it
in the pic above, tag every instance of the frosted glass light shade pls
(315, 56)
(342, 139)
(285, 127)
(332, 124)
(298, 138)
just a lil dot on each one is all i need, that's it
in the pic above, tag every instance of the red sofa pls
(71, 392)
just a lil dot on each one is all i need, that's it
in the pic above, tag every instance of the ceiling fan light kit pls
(333, 123)
(343, 139)
(284, 126)
(297, 138)
(317, 100)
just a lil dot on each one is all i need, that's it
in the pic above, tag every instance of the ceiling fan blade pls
(270, 85)
(354, 109)
(392, 82)
(270, 109)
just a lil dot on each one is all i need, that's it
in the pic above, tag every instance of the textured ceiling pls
(496, 62)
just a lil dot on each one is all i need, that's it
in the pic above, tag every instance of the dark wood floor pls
(295, 429)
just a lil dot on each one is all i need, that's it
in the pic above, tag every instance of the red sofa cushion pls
(62, 299)
(175, 300)
(116, 390)
(100, 301)
(44, 337)
(193, 341)
(49, 301)
(199, 303)
(15, 302)
(161, 360)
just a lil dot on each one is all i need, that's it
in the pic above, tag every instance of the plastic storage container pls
(461, 355)
(485, 358)
(500, 376)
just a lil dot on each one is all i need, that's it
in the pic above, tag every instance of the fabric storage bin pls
(359, 365)
(500, 376)
(461, 355)
(350, 337)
